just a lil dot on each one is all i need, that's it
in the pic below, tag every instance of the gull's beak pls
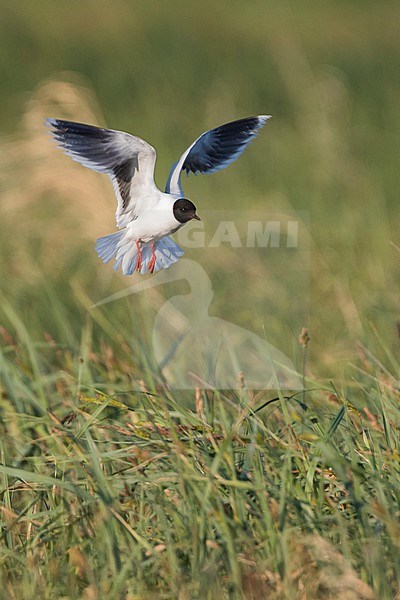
(196, 217)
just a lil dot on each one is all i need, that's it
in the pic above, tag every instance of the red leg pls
(152, 262)
(139, 257)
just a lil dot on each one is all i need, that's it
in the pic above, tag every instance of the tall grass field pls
(114, 483)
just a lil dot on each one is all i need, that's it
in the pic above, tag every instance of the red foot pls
(152, 262)
(139, 257)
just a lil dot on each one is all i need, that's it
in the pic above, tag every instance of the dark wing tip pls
(55, 130)
(74, 128)
(51, 123)
(58, 128)
(241, 130)
(57, 124)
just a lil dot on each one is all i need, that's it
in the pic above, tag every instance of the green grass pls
(114, 485)
(112, 492)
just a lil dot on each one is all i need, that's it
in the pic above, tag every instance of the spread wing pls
(128, 160)
(214, 150)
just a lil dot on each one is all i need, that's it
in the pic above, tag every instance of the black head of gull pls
(184, 210)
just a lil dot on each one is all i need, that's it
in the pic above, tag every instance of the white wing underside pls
(141, 192)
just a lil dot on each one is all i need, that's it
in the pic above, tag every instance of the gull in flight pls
(145, 215)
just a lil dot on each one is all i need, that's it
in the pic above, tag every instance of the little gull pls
(146, 215)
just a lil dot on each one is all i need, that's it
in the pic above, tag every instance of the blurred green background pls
(111, 492)
(166, 71)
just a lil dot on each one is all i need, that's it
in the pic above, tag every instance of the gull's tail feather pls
(167, 253)
(126, 255)
(107, 246)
